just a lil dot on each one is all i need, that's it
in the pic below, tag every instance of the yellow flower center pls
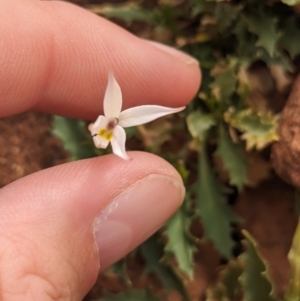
(105, 134)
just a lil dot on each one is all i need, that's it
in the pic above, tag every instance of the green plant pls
(230, 117)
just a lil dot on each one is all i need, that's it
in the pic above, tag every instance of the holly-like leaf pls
(199, 123)
(230, 276)
(216, 215)
(264, 26)
(258, 129)
(75, 137)
(287, 40)
(152, 252)
(293, 290)
(245, 39)
(130, 295)
(254, 278)
(278, 59)
(225, 84)
(233, 158)
(120, 269)
(179, 243)
(249, 51)
(226, 13)
(228, 286)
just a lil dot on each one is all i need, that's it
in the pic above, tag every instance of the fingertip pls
(62, 67)
(64, 212)
(104, 177)
(134, 215)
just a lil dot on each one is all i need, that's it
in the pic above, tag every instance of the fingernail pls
(134, 215)
(185, 58)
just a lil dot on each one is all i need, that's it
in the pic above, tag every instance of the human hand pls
(59, 225)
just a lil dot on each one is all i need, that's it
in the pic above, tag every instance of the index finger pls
(55, 57)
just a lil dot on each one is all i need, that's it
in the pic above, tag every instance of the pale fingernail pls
(185, 58)
(134, 215)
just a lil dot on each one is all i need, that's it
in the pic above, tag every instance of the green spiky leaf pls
(75, 137)
(120, 269)
(179, 242)
(152, 252)
(230, 276)
(293, 289)
(216, 215)
(287, 40)
(258, 129)
(225, 83)
(264, 27)
(254, 278)
(199, 123)
(226, 14)
(130, 295)
(233, 159)
(228, 286)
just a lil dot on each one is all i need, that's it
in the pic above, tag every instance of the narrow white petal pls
(100, 123)
(118, 143)
(100, 142)
(143, 114)
(112, 103)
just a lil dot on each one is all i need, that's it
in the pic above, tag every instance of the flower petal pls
(100, 142)
(118, 143)
(100, 123)
(143, 114)
(112, 103)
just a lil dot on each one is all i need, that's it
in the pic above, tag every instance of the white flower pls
(109, 128)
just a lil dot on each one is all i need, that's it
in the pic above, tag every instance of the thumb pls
(59, 225)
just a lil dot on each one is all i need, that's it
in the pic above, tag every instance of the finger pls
(55, 57)
(57, 223)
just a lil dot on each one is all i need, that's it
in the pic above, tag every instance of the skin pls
(58, 227)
